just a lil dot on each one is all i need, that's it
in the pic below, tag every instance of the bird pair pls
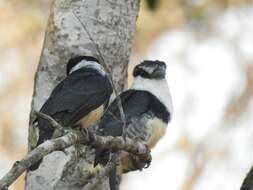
(83, 98)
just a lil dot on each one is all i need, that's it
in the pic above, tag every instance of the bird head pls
(150, 69)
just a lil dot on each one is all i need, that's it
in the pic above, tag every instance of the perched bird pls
(147, 106)
(79, 99)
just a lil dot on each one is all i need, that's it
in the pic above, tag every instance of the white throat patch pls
(158, 88)
(89, 64)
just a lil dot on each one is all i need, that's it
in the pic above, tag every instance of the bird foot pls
(142, 161)
(85, 132)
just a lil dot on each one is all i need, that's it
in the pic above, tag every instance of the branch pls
(35, 155)
(71, 138)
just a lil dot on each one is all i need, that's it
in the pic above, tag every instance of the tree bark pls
(72, 23)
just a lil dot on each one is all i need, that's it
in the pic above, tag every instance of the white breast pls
(158, 88)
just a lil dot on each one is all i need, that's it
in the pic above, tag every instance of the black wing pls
(76, 96)
(134, 103)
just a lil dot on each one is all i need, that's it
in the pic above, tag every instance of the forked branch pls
(70, 138)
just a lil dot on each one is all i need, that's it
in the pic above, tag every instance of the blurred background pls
(208, 48)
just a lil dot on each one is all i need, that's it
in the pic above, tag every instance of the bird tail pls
(45, 133)
(102, 157)
(113, 178)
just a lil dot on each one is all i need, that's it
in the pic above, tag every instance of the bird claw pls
(142, 162)
(148, 162)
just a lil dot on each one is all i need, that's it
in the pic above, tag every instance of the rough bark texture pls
(111, 23)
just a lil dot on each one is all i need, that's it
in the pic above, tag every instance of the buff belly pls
(158, 129)
(92, 118)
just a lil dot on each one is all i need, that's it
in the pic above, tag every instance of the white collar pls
(89, 64)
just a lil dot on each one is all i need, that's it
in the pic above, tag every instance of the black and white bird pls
(80, 98)
(147, 106)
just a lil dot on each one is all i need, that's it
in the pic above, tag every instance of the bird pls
(79, 99)
(147, 106)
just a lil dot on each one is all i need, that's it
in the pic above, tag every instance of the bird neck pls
(157, 87)
(89, 64)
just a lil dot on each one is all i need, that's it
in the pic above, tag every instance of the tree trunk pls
(71, 26)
